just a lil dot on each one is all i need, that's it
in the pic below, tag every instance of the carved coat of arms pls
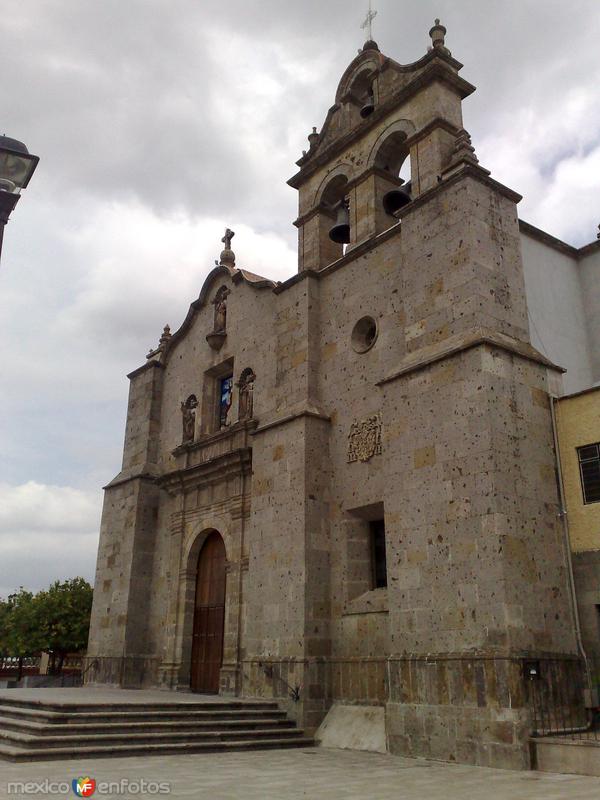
(364, 439)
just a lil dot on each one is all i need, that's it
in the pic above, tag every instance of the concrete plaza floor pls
(314, 773)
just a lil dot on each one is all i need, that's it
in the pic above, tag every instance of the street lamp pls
(16, 168)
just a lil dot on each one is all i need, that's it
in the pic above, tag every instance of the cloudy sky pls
(158, 122)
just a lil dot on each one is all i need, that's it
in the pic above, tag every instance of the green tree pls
(20, 634)
(63, 617)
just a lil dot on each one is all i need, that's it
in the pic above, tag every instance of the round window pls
(364, 335)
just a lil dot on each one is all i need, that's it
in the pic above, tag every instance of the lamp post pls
(17, 166)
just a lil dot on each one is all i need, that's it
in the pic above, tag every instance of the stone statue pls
(188, 414)
(246, 387)
(220, 303)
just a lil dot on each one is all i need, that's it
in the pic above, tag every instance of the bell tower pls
(402, 230)
(386, 141)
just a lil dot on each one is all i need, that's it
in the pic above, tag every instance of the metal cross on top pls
(368, 23)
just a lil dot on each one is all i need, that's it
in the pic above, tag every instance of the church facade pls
(340, 489)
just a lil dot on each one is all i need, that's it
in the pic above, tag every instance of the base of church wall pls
(124, 672)
(482, 737)
(469, 709)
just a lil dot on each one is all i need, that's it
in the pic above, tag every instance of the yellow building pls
(578, 428)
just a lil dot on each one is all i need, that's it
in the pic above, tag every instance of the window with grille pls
(589, 467)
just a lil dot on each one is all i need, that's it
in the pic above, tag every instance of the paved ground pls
(315, 774)
(88, 695)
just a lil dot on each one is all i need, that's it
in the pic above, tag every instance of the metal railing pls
(16, 667)
(563, 696)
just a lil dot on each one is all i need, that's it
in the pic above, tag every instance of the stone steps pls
(78, 715)
(36, 730)
(42, 729)
(8, 753)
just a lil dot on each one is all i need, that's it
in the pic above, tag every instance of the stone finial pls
(369, 45)
(162, 342)
(166, 335)
(438, 34)
(463, 153)
(227, 255)
(463, 149)
(313, 138)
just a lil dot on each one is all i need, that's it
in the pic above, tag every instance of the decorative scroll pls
(364, 439)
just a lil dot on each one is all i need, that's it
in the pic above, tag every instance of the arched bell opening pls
(393, 159)
(362, 93)
(335, 205)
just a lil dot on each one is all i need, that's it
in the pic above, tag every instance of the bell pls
(369, 106)
(340, 232)
(393, 201)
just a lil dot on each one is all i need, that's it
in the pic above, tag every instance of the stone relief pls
(364, 439)
(188, 415)
(246, 388)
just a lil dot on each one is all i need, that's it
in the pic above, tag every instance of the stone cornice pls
(557, 244)
(433, 125)
(459, 343)
(303, 412)
(148, 365)
(588, 248)
(464, 171)
(234, 462)
(373, 170)
(357, 251)
(580, 393)
(361, 248)
(546, 238)
(208, 439)
(126, 476)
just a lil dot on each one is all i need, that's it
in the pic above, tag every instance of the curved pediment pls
(212, 280)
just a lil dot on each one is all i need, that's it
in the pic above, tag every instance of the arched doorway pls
(209, 616)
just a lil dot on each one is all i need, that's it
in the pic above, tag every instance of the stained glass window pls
(226, 388)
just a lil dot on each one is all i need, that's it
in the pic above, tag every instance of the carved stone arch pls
(195, 541)
(392, 138)
(335, 178)
(192, 548)
(362, 82)
(363, 63)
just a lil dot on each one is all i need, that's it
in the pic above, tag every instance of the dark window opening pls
(378, 558)
(589, 467)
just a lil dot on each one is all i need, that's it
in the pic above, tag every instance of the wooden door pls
(209, 616)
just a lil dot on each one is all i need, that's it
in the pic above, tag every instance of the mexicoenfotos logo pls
(84, 787)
